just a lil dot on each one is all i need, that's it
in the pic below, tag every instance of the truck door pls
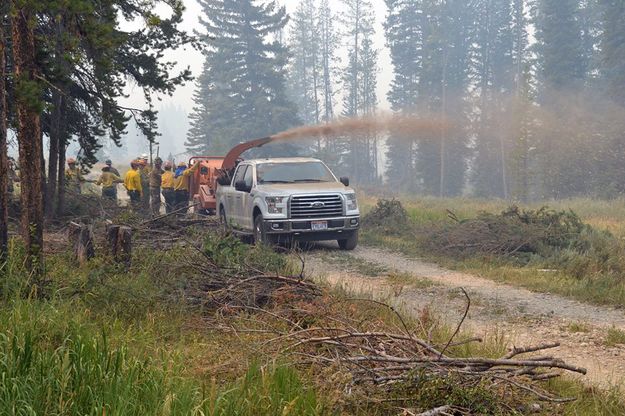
(234, 199)
(247, 200)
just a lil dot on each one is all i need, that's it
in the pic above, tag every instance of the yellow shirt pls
(132, 181)
(73, 175)
(167, 180)
(181, 183)
(108, 179)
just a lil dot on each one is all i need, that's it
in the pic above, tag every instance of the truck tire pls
(349, 243)
(260, 237)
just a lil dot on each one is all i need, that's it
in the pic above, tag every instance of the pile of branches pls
(388, 216)
(224, 274)
(512, 232)
(399, 360)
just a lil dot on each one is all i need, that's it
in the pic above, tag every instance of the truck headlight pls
(272, 204)
(352, 204)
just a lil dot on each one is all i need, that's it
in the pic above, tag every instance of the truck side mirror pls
(345, 180)
(241, 186)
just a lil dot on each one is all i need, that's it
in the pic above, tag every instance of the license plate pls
(318, 225)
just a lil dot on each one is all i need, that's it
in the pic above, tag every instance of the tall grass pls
(84, 375)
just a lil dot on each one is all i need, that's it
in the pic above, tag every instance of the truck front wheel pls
(349, 243)
(260, 236)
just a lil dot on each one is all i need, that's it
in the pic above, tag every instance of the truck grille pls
(316, 206)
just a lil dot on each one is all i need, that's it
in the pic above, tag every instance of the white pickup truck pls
(289, 199)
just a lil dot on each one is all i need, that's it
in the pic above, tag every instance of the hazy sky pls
(193, 58)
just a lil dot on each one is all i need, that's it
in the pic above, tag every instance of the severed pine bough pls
(387, 359)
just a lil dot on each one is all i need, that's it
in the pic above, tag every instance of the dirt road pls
(524, 317)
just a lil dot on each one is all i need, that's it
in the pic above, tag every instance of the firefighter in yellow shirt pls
(109, 182)
(181, 185)
(167, 186)
(132, 182)
(73, 177)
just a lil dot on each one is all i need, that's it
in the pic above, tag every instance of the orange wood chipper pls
(214, 170)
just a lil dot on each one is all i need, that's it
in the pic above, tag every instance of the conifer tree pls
(306, 66)
(242, 91)
(360, 83)
(496, 72)
(559, 44)
(404, 37)
(4, 162)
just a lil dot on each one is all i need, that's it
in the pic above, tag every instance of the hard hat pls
(144, 156)
(182, 165)
(71, 161)
(108, 162)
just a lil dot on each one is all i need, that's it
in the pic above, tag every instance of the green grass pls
(578, 327)
(363, 267)
(615, 337)
(98, 340)
(409, 280)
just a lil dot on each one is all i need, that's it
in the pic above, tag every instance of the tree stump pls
(124, 245)
(81, 238)
(119, 239)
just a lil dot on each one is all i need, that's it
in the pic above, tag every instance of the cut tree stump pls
(119, 239)
(81, 238)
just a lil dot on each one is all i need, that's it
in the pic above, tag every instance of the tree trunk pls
(29, 133)
(57, 125)
(81, 238)
(60, 203)
(4, 162)
(53, 155)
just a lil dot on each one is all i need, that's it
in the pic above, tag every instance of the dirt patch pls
(522, 316)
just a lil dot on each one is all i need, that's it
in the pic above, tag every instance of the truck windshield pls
(293, 172)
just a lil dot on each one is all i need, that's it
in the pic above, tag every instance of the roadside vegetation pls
(102, 339)
(573, 248)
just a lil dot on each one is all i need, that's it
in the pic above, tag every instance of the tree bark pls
(81, 238)
(60, 203)
(29, 133)
(4, 162)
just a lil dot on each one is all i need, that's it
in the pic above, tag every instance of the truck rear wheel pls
(349, 243)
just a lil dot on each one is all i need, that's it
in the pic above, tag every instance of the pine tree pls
(559, 44)
(404, 37)
(28, 107)
(329, 45)
(305, 69)
(612, 79)
(4, 162)
(242, 91)
(562, 68)
(613, 50)
(360, 82)
(498, 41)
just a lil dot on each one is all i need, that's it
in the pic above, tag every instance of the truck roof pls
(281, 160)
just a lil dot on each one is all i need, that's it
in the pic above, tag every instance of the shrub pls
(389, 217)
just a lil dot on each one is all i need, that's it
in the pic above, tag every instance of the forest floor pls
(590, 336)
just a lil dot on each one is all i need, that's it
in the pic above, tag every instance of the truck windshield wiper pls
(309, 180)
(276, 182)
